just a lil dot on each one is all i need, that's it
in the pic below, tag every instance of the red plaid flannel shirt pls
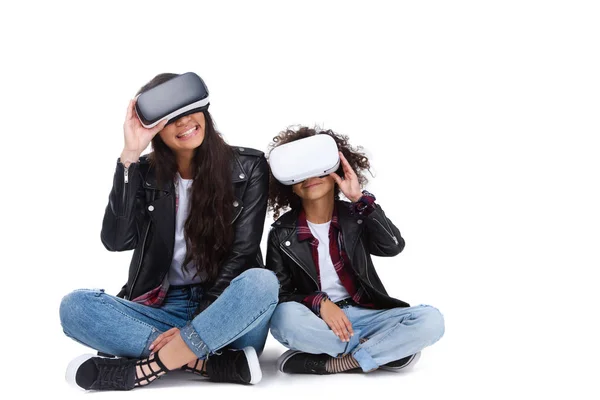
(339, 258)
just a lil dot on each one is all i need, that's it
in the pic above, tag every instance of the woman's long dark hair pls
(208, 230)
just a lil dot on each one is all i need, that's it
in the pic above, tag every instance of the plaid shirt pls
(156, 296)
(338, 255)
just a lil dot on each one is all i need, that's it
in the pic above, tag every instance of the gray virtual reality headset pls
(310, 157)
(185, 94)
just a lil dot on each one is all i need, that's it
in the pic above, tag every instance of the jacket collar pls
(344, 218)
(287, 220)
(238, 173)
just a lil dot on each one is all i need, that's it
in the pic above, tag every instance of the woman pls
(193, 212)
(334, 313)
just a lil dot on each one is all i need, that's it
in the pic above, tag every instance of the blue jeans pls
(238, 318)
(392, 334)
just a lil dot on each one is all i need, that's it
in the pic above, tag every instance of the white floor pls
(479, 118)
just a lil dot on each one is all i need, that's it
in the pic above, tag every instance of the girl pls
(334, 313)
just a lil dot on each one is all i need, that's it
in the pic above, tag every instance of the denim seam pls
(128, 316)
(151, 316)
(368, 343)
(97, 292)
(148, 342)
(188, 311)
(262, 312)
(347, 349)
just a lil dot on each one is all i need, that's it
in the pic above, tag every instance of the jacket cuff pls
(313, 301)
(364, 206)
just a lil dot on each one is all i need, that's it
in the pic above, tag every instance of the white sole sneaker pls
(415, 357)
(253, 365)
(284, 357)
(73, 367)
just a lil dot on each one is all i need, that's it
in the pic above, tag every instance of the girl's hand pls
(349, 185)
(337, 320)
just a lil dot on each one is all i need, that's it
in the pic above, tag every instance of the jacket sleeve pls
(314, 300)
(384, 238)
(248, 232)
(119, 226)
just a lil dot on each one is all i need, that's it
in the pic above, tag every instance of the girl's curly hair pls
(281, 196)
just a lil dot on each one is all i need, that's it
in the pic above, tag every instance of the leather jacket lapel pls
(301, 253)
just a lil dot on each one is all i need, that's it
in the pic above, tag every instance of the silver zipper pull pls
(126, 174)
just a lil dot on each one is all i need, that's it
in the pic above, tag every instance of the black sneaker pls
(235, 366)
(97, 373)
(298, 362)
(402, 363)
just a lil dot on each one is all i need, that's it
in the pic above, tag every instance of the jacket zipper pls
(367, 272)
(301, 266)
(137, 273)
(388, 232)
(124, 200)
(238, 214)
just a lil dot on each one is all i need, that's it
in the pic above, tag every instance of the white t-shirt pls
(177, 275)
(330, 281)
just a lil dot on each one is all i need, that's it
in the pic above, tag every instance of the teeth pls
(186, 133)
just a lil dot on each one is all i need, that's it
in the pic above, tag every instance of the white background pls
(480, 119)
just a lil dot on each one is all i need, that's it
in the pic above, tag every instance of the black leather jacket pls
(292, 260)
(141, 217)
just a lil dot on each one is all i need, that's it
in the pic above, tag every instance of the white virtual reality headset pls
(313, 156)
(183, 95)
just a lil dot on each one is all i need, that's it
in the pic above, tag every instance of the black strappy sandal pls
(148, 378)
(195, 369)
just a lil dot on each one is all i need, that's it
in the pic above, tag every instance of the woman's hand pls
(349, 185)
(137, 138)
(336, 319)
(163, 339)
